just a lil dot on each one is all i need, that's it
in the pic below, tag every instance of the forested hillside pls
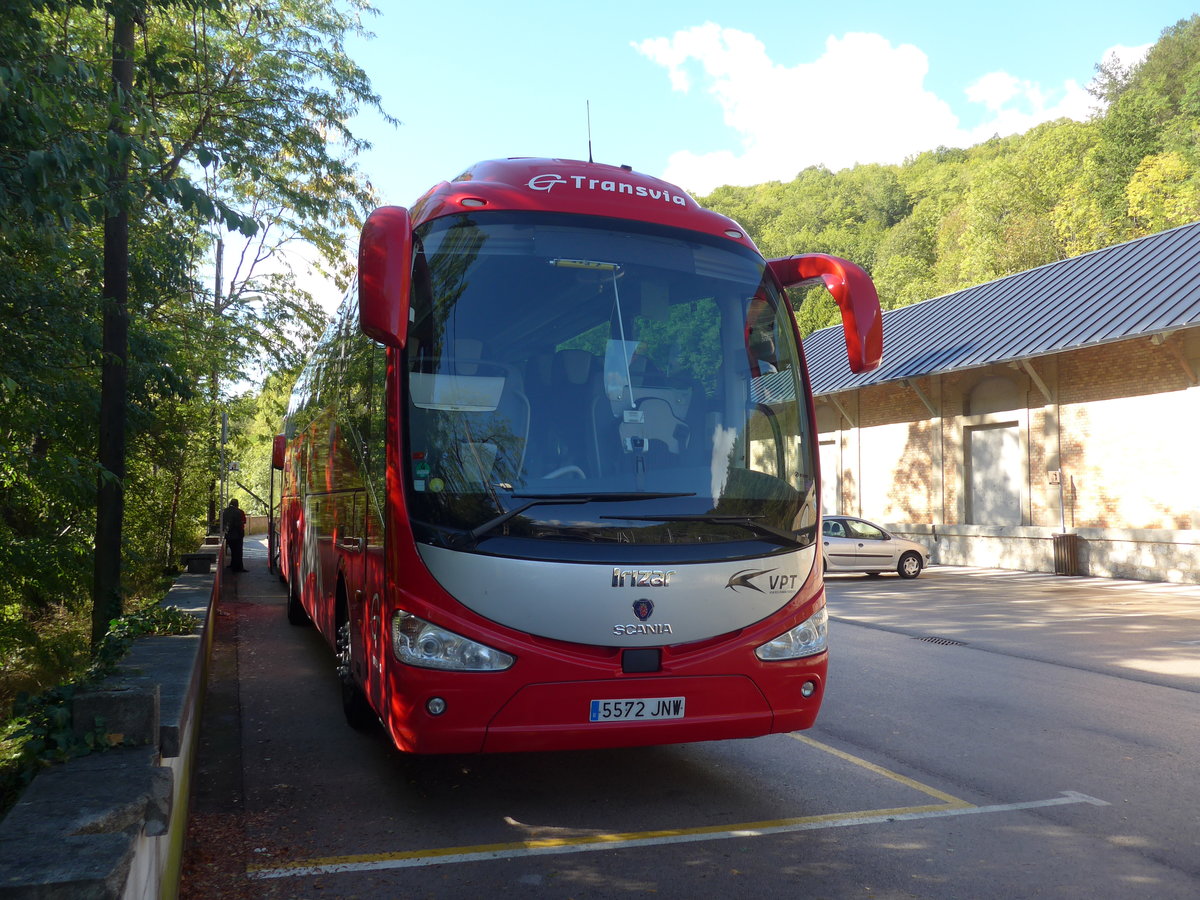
(951, 218)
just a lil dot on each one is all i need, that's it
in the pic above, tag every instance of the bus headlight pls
(809, 637)
(421, 643)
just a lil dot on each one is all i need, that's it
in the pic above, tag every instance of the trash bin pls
(1066, 554)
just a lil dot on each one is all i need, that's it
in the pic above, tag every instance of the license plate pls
(636, 710)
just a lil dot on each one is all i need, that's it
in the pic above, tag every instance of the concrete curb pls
(112, 824)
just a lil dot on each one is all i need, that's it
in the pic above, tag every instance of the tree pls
(273, 83)
(110, 496)
(229, 118)
(1163, 193)
(258, 424)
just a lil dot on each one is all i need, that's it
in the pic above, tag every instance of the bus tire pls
(355, 705)
(295, 609)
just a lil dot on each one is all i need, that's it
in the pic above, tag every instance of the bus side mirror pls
(385, 251)
(278, 448)
(854, 292)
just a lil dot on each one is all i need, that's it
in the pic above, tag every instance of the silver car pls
(856, 545)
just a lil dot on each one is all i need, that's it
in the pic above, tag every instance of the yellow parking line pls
(879, 770)
(443, 855)
(483, 852)
(493, 852)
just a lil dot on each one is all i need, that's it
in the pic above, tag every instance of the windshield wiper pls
(472, 537)
(787, 538)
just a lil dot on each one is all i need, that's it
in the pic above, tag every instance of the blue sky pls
(705, 93)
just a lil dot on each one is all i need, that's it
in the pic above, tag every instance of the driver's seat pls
(575, 381)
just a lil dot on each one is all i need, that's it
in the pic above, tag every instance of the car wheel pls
(910, 565)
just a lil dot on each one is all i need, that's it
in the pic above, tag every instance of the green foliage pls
(255, 422)
(235, 128)
(950, 218)
(41, 731)
(150, 619)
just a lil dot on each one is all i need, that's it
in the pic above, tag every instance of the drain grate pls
(942, 642)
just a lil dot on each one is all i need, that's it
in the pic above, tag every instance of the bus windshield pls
(576, 381)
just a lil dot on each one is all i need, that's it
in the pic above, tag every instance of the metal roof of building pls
(1144, 287)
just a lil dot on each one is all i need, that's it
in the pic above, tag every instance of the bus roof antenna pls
(589, 123)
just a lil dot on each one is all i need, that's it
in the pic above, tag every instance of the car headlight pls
(809, 637)
(421, 643)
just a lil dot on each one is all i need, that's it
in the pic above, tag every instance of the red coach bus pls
(550, 479)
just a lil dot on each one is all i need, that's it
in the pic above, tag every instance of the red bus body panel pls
(570, 186)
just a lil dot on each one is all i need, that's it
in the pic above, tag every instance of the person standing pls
(233, 525)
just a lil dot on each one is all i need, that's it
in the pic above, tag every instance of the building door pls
(993, 457)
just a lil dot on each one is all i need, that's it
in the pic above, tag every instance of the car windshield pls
(580, 380)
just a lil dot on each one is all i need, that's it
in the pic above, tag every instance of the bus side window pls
(377, 426)
(760, 337)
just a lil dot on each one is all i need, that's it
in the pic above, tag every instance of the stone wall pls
(1139, 554)
(111, 824)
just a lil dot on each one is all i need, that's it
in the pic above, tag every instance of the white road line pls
(590, 845)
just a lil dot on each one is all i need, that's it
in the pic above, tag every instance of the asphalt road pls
(984, 734)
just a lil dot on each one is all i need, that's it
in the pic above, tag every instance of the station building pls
(1047, 421)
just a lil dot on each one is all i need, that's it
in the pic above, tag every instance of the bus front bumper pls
(626, 712)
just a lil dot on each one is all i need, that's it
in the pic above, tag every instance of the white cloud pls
(1126, 56)
(994, 90)
(863, 100)
(1015, 105)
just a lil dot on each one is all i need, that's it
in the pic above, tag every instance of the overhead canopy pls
(1139, 289)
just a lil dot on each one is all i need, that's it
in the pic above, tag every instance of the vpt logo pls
(774, 583)
(642, 609)
(745, 579)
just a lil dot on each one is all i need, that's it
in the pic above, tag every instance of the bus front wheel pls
(295, 609)
(357, 709)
